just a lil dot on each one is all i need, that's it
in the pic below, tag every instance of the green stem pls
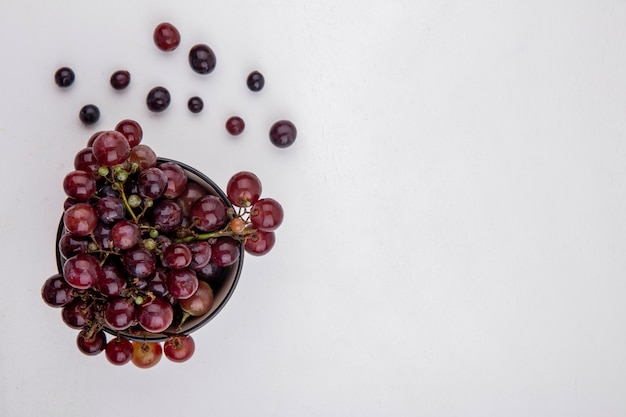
(120, 187)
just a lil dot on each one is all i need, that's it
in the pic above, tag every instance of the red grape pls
(243, 189)
(208, 213)
(166, 37)
(139, 263)
(119, 313)
(182, 283)
(259, 242)
(155, 316)
(200, 254)
(76, 313)
(143, 156)
(80, 219)
(125, 235)
(179, 348)
(200, 302)
(86, 161)
(167, 216)
(177, 256)
(152, 183)
(119, 351)
(131, 130)
(111, 148)
(266, 214)
(82, 271)
(192, 193)
(79, 185)
(112, 282)
(70, 245)
(92, 346)
(235, 125)
(225, 251)
(110, 209)
(176, 179)
(56, 292)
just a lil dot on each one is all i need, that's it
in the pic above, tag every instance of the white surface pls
(455, 204)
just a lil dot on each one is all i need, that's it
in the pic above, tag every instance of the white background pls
(455, 232)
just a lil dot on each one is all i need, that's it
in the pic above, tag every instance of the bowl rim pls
(153, 337)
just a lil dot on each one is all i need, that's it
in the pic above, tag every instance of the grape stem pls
(120, 187)
(210, 235)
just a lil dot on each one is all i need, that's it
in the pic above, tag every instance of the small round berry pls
(202, 59)
(283, 133)
(64, 77)
(255, 81)
(166, 37)
(120, 79)
(89, 114)
(158, 99)
(235, 125)
(195, 104)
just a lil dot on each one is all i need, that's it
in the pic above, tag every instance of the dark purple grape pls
(110, 209)
(64, 77)
(283, 133)
(202, 59)
(112, 282)
(89, 114)
(92, 346)
(107, 191)
(70, 245)
(56, 292)
(192, 193)
(255, 81)
(235, 125)
(182, 283)
(200, 254)
(76, 313)
(120, 79)
(86, 161)
(195, 104)
(102, 235)
(167, 216)
(157, 283)
(209, 213)
(152, 183)
(158, 99)
(211, 273)
(225, 251)
(139, 263)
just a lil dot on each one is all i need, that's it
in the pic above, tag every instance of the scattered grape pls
(202, 59)
(166, 37)
(255, 81)
(89, 114)
(283, 133)
(120, 79)
(64, 77)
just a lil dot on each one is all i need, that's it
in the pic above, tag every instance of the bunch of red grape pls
(149, 249)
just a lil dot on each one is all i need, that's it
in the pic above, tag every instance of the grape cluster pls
(149, 249)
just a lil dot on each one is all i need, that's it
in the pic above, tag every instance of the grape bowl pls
(149, 249)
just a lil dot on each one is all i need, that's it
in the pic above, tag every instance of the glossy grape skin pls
(200, 254)
(200, 302)
(120, 79)
(125, 235)
(146, 354)
(89, 114)
(76, 313)
(131, 130)
(82, 271)
(211, 273)
(139, 263)
(182, 283)
(152, 183)
(110, 209)
(70, 245)
(56, 292)
(92, 346)
(112, 282)
(266, 214)
(259, 242)
(119, 313)
(143, 156)
(208, 213)
(102, 236)
(167, 216)
(202, 59)
(111, 148)
(86, 161)
(177, 256)
(64, 77)
(283, 133)
(176, 179)
(158, 99)
(157, 284)
(235, 125)
(192, 193)
(255, 81)
(195, 104)
(79, 185)
(155, 317)
(225, 251)
(243, 189)
(166, 37)
(119, 351)
(179, 348)
(80, 219)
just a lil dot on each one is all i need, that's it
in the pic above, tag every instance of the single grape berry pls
(89, 114)
(195, 104)
(131, 130)
(283, 133)
(243, 189)
(111, 148)
(255, 81)
(202, 59)
(64, 77)
(158, 99)
(119, 351)
(235, 125)
(166, 37)
(120, 79)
